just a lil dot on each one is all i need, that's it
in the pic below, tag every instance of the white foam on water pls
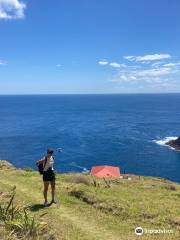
(165, 140)
(85, 170)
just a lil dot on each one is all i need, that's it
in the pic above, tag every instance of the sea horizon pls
(138, 93)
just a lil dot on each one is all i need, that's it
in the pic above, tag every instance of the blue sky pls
(89, 46)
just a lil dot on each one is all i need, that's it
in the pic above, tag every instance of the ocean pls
(125, 130)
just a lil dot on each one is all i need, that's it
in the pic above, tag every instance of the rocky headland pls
(174, 144)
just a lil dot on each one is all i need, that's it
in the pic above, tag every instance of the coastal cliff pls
(95, 209)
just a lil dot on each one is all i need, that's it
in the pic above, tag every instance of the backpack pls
(41, 166)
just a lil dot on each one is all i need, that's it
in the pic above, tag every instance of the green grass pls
(108, 211)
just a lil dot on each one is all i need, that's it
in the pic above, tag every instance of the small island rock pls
(174, 144)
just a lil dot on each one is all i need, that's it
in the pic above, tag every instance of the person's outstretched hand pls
(60, 150)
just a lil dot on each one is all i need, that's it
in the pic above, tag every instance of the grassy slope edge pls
(95, 210)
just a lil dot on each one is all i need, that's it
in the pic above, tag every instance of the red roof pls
(105, 171)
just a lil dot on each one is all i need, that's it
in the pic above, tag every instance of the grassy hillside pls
(92, 209)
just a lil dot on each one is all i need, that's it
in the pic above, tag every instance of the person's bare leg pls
(46, 185)
(53, 191)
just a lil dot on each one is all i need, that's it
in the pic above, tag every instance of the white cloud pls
(112, 64)
(153, 57)
(148, 75)
(171, 64)
(116, 65)
(103, 62)
(12, 9)
(157, 63)
(124, 78)
(132, 77)
(149, 72)
(130, 58)
(154, 72)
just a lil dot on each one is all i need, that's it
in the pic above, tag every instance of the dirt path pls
(77, 224)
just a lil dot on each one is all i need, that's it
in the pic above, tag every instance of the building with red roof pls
(105, 171)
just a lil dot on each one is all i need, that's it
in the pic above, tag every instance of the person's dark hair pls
(50, 151)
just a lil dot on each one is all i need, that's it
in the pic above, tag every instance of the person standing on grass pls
(48, 175)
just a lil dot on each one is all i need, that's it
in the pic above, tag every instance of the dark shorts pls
(49, 175)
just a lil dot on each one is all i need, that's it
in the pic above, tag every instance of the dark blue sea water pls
(92, 129)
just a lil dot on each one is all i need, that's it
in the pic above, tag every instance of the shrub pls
(18, 221)
(79, 179)
(28, 169)
(170, 187)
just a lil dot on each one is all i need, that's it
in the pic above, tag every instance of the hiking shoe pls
(54, 201)
(46, 204)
